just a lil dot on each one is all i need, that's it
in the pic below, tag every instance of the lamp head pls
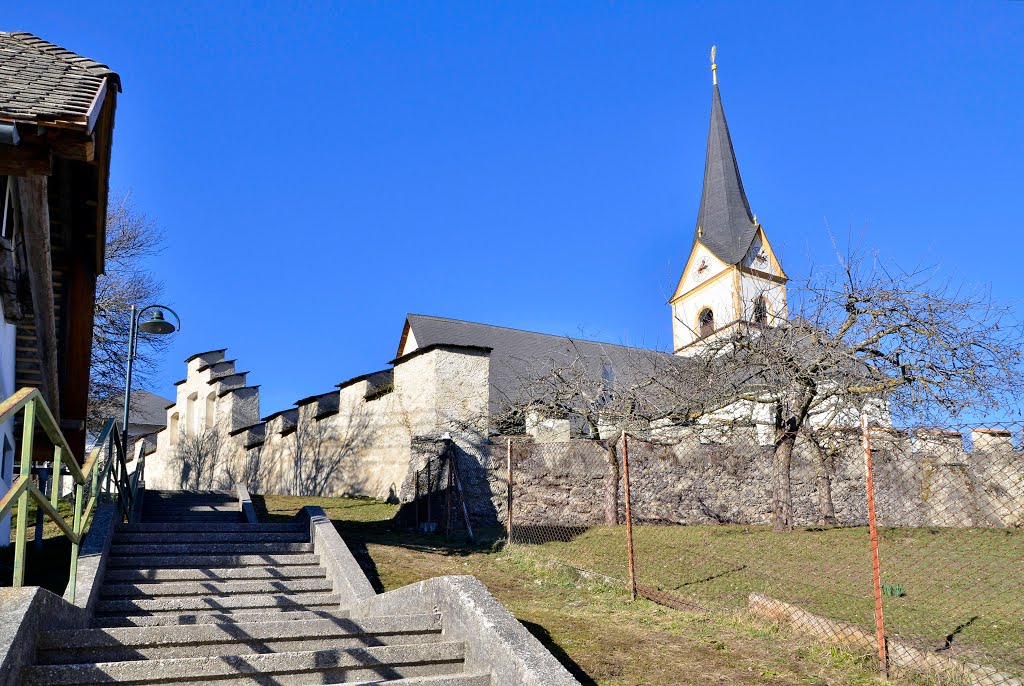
(156, 324)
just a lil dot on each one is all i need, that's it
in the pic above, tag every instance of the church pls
(452, 379)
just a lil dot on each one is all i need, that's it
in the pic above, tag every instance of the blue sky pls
(322, 169)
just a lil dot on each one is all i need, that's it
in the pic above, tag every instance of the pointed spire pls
(725, 223)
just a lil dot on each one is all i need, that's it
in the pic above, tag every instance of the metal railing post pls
(508, 496)
(21, 532)
(58, 456)
(77, 528)
(629, 516)
(876, 575)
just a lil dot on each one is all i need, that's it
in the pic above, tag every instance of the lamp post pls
(156, 324)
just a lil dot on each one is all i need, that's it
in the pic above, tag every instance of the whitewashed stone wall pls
(921, 479)
(351, 441)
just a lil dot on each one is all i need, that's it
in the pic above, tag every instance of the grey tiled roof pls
(725, 223)
(148, 408)
(42, 82)
(515, 353)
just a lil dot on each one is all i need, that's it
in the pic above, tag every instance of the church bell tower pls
(733, 277)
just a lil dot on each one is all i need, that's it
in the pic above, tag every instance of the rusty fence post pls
(876, 574)
(629, 516)
(508, 488)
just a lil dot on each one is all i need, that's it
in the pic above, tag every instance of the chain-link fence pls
(904, 545)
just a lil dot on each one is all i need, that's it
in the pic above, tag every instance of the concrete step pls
(230, 527)
(438, 680)
(279, 614)
(155, 576)
(193, 516)
(149, 605)
(282, 669)
(209, 549)
(194, 519)
(186, 504)
(162, 642)
(216, 588)
(204, 561)
(177, 537)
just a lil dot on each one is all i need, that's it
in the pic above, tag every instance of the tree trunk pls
(826, 508)
(611, 485)
(782, 487)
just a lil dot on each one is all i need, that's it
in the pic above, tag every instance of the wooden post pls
(629, 516)
(876, 575)
(448, 501)
(430, 495)
(35, 213)
(508, 495)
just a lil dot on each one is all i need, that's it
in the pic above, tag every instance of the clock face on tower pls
(701, 272)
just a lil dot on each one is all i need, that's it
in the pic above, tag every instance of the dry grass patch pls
(587, 622)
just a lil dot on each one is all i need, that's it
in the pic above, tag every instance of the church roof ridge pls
(450, 320)
(725, 224)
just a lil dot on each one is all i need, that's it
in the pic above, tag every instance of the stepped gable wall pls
(354, 440)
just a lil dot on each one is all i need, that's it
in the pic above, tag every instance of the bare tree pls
(866, 337)
(602, 391)
(860, 338)
(131, 238)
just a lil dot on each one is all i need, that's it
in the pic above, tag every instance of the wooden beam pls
(35, 221)
(25, 160)
(80, 287)
(73, 145)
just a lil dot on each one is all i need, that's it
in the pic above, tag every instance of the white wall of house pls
(7, 340)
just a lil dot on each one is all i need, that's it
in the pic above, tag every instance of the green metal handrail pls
(106, 474)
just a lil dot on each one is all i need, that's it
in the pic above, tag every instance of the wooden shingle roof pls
(45, 83)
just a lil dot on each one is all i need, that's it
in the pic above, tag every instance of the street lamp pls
(156, 324)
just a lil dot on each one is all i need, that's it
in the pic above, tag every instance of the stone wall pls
(705, 478)
(368, 435)
(354, 440)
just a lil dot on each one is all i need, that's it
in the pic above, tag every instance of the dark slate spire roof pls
(724, 223)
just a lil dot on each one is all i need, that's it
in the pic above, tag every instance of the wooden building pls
(56, 129)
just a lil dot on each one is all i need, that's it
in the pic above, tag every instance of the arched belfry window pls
(760, 311)
(706, 322)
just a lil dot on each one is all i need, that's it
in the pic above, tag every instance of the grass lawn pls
(588, 623)
(964, 583)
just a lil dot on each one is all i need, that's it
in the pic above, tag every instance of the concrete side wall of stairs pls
(196, 592)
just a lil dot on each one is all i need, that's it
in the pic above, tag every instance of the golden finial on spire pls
(714, 67)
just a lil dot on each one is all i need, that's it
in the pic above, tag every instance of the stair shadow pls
(542, 635)
(366, 563)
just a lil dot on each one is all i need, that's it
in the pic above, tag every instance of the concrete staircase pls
(194, 594)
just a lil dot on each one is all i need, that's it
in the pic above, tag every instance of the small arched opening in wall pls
(706, 322)
(191, 423)
(760, 311)
(172, 428)
(211, 409)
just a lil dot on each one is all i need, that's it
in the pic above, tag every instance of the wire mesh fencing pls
(906, 546)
